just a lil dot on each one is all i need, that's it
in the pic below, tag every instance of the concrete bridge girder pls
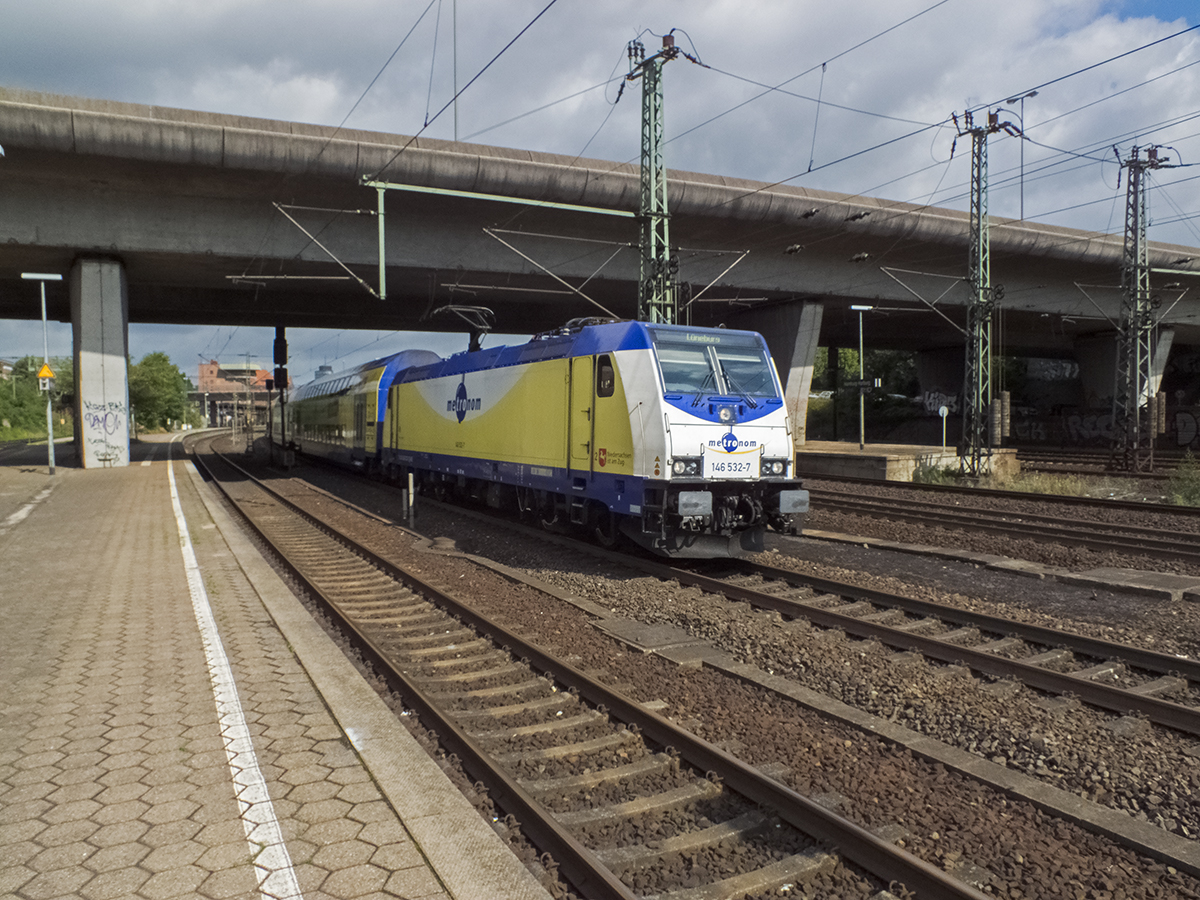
(178, 201)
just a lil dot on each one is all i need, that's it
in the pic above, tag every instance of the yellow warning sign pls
(44, 371)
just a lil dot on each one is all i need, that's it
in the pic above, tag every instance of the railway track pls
(1082, 462)
(1066, 500)
(1114, 677)
(581, 766)
(1160, 543)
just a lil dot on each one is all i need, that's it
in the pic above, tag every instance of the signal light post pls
(45, 376)
(863, 385)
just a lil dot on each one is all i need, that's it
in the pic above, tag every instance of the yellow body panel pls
(516, 415)
(519, 414)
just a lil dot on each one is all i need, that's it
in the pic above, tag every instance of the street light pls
(862, 381)
(42, 278)
(1022, 100)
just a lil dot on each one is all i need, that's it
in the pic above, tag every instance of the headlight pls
(726, 415)
(686, 465)
(774, 466)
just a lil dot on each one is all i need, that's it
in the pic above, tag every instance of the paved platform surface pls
(149, 748)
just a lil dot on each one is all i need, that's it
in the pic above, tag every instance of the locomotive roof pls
(583, 341)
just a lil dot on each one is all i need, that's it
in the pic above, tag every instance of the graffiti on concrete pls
(1187, 428)
(1083, 428)
(932, 401)
(1052, 369)
(102, 421)
(1029, 429)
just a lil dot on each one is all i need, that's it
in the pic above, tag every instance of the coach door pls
(360, 424)
(579, 437)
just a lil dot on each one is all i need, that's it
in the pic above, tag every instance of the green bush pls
(927, 473)
(1183, 487)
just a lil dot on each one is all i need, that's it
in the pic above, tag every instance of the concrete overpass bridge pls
(171, 216)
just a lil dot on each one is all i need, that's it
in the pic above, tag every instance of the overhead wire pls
(463, 89)
(910, 134)
(1103, 62)
(328, 140)
(430, 120)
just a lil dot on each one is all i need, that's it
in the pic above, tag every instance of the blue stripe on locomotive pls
(589, 341)
(618, 492)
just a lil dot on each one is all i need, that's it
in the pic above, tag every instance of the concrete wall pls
(100, 317)
(940, 374)
(1097, 358)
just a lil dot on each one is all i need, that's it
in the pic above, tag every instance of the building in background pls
(234, 393)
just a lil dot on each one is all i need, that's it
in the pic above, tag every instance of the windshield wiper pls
(708, 379)
(733, 383)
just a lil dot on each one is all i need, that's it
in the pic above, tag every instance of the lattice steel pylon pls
(657, 290)
(1133, 430)
(976, 450)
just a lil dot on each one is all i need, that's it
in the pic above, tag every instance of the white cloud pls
(311, 59)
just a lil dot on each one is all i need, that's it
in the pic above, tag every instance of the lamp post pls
(1022, 100)
(862, 380)
(42, 278)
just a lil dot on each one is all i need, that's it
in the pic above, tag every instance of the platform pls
(174, 724)
(886, 462)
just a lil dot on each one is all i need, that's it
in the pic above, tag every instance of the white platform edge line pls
(21, 514)
(272, 862)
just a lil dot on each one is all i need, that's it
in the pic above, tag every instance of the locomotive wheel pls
(604, 528)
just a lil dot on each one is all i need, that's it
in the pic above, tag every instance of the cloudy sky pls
(888, 74)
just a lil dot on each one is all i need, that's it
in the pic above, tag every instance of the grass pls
(926, 473)
(1183, 487)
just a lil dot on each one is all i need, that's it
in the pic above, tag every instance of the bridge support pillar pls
(940, 374)
(791, 331)
(100, 320)
(1097, 358)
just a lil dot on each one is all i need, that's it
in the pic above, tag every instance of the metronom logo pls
(729, 443)
(462, 404)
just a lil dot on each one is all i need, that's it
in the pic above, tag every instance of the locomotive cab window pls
(606, 378)
(726, 364)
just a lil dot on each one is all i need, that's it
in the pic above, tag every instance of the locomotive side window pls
(606, 379)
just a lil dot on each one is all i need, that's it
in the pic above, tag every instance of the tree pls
(158, 392)
(22, 403)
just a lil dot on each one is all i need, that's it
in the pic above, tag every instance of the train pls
(674, 436)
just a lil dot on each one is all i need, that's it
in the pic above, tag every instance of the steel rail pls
(1146, 531)
(975, 521)
(1162, 712)
(1163, 663)
(1064, 499)
(578, 863)
(851, 840)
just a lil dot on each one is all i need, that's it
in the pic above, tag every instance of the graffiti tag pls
(933, 400)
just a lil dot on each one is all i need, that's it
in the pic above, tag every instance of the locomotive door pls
(579, 436)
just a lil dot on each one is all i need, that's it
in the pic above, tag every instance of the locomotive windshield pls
(726, 364)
